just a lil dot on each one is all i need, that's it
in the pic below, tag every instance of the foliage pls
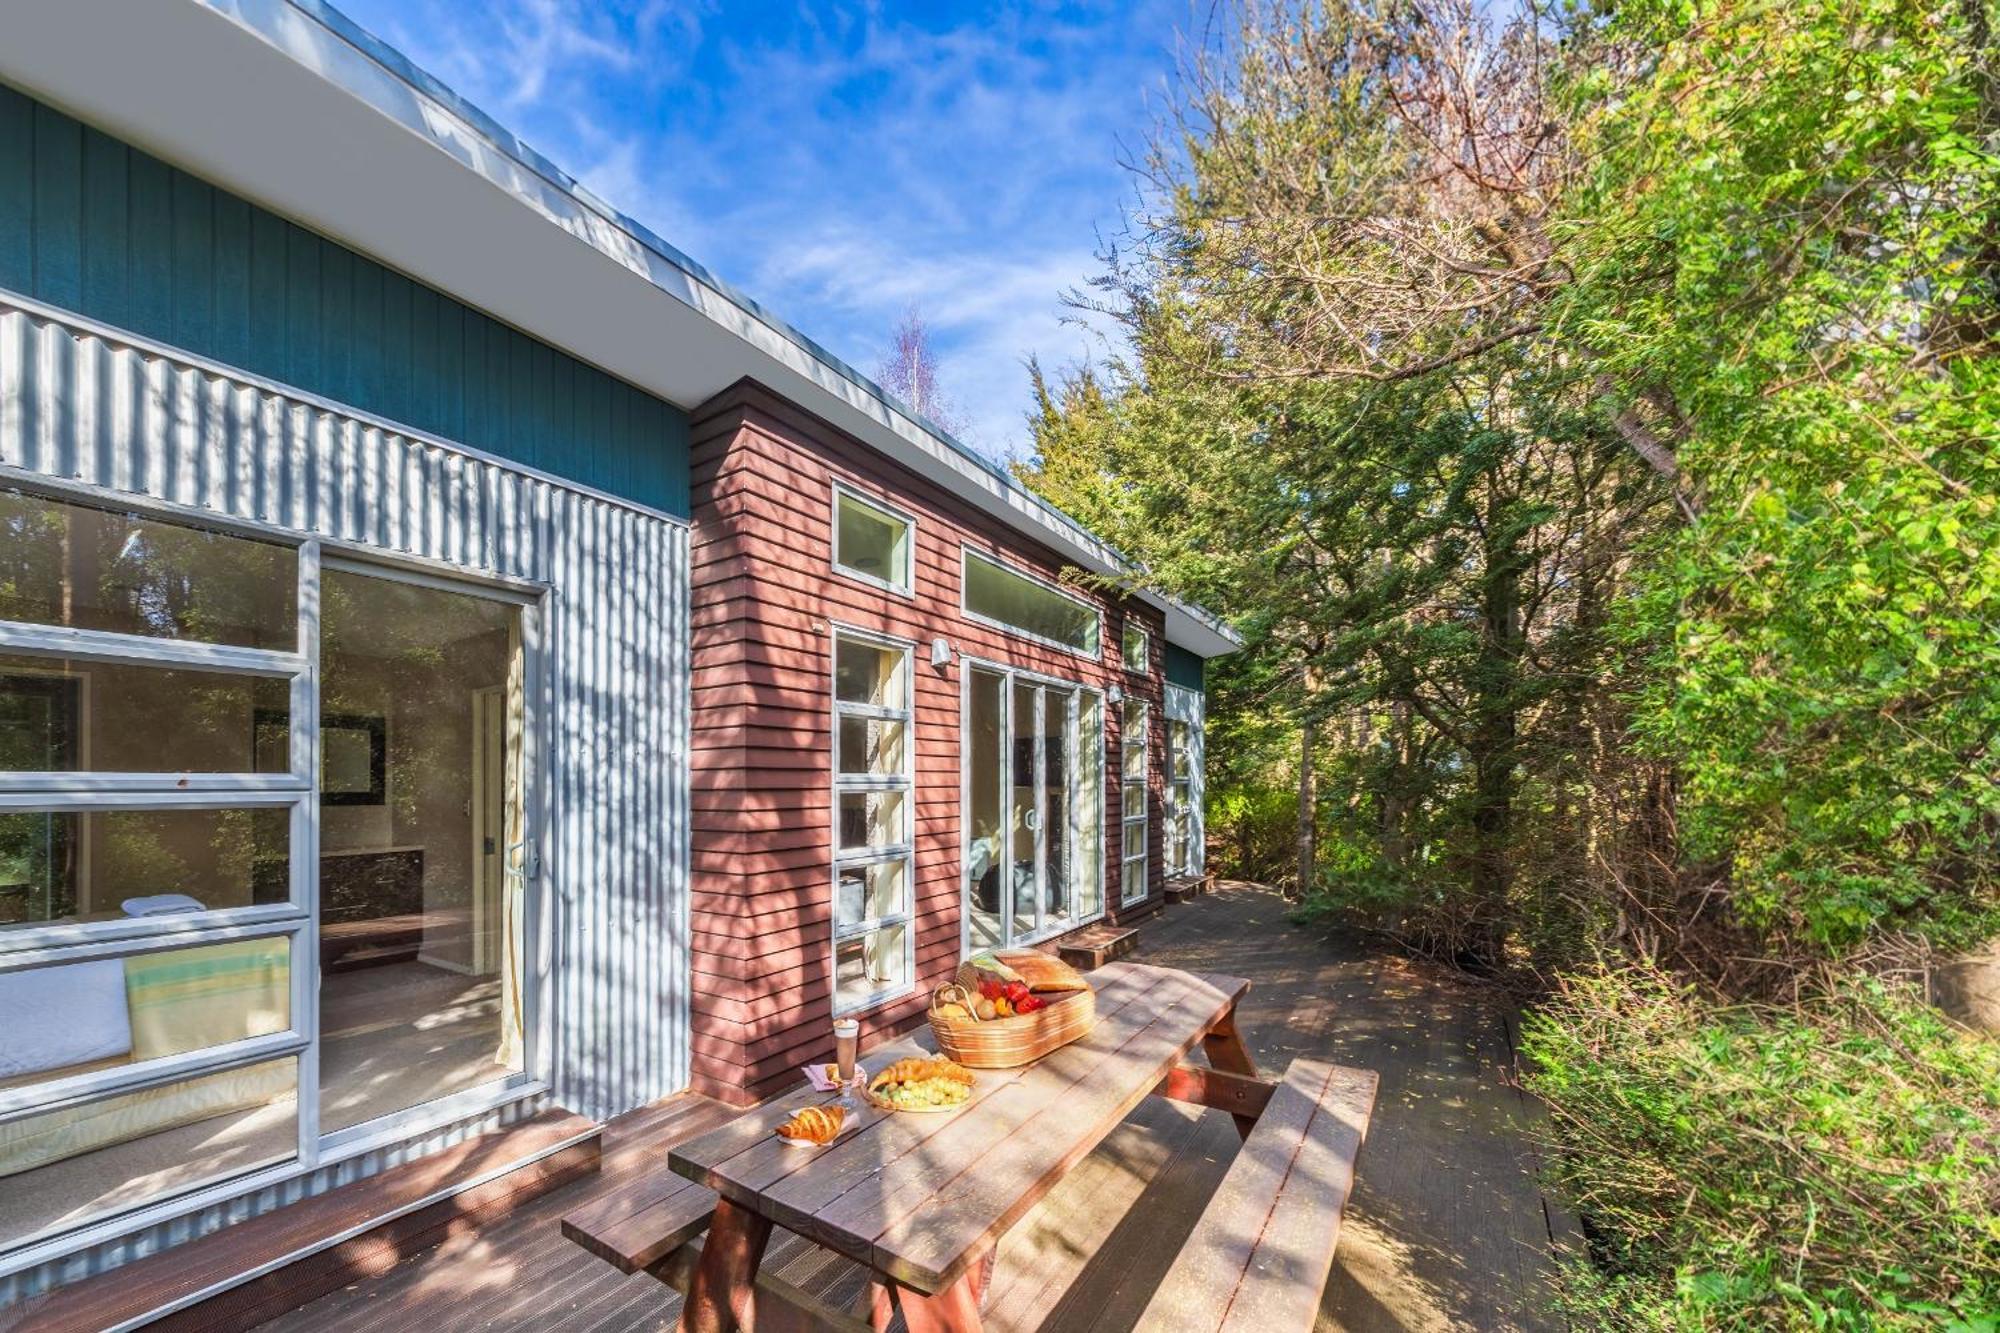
(1417, 356)
(1592, 419)
(1788, 230)
(1831, 1166)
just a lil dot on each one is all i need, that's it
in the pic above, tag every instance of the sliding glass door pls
(1034, 863)
(421, 818)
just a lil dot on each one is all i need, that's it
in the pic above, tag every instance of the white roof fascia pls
(291, 104)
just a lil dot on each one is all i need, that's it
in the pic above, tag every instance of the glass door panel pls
(1088, 815)
(1058, 727)
(986, 814)
(1024, 820)
(1034, 807)
(421, 905)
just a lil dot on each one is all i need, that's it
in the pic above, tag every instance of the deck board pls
(1445, 1229)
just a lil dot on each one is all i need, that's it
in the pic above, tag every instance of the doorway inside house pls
(421, 822)
(1034, 782)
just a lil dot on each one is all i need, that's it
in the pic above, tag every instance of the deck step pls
(1094, 946)
(245, 1274)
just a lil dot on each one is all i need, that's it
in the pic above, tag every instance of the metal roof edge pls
(1027, 511)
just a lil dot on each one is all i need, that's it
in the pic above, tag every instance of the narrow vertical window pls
(873, 895)
(1135, 720)
(870, 542)
(1180, 801)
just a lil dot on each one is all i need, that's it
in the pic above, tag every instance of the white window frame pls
(25, 947)
(52, 944)
(1072, 825)
(1180, 796)
(906, 587)
(1129, 740)
(397, 1126)
(1127, 633)
(861, 858)
(968, 554)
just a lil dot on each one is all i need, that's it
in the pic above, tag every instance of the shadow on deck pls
(1446, 1229)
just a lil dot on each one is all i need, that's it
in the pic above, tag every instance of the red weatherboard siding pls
(762, 759)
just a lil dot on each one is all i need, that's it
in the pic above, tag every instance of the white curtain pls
(513, 877)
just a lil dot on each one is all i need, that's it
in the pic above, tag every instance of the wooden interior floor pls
(1446, 1229)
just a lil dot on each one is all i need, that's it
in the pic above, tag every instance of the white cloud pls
(841, 163)
(989, 314)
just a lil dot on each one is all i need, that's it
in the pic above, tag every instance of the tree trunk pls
(1396, 803)
(1308, 801)
(1493, 746)
(1968, 988)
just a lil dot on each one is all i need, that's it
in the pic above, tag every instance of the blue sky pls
(842, 162)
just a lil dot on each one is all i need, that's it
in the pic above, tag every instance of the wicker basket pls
(1004, 1043)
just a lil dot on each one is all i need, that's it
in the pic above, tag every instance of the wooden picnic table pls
(922, 1199)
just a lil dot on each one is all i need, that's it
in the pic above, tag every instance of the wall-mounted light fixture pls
(940, 652)
(1114, 695)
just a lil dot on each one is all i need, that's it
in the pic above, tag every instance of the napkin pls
(816, 1075)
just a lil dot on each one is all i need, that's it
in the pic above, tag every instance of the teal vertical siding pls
(98, 227)
(1183, 667)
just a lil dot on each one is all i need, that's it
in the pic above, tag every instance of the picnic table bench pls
(922, 1200)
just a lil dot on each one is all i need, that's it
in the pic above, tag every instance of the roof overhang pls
(290, 104)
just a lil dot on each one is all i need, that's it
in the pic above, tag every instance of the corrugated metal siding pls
(192, 1226)
(621, 708)
(90, 224)
(85, 404)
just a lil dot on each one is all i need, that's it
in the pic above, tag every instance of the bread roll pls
(1045, 972)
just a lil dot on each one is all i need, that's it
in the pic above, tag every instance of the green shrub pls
(1830, 1166)
(1253, 832)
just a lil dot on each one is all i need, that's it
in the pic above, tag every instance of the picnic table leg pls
(720, 1295)
(982, 1275)
(878, 1305)
(1223, 1045)
(953, 1310)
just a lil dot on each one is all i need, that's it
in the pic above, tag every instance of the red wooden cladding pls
(766, 600)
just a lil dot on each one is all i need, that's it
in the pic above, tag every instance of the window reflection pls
(66, 865)
(99, 717)
(421, 799)
(80, 567)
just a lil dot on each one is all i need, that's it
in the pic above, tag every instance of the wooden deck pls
(1446, 1229)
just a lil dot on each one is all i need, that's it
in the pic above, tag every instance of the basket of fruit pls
(1010, 1008)
(920, 1085)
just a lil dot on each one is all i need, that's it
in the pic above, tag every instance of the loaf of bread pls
(1044, 972)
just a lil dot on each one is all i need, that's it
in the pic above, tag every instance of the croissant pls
(916, 1069)
(815, 1124)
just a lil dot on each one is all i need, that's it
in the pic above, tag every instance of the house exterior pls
(458, 658)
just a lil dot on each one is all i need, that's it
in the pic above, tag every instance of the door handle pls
(523, 861)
